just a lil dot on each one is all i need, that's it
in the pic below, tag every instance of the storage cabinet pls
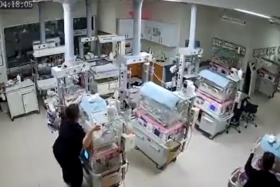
(15, 104)
(143, 27)
(169, 35)
(136, 70)
(148, 31)
(267, 87)
(22, 98)
(157, 77)
(162, 72)
(162, 33)
(28, 101)
(157, 32)
(125, 28)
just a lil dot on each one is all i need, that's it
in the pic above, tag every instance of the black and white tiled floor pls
(26, 158)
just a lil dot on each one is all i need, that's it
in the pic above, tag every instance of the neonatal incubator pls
(268, 77)
(105, 78)
(268, 143)
(105, 164)
(216, 86)
(162, 124)
(216, 100)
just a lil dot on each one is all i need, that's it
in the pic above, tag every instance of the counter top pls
(165, 63)
(25, 83)
(46, 84)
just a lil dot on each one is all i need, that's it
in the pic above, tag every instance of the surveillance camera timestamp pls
(16, 4)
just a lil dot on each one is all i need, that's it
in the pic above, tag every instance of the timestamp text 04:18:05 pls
(16, 4)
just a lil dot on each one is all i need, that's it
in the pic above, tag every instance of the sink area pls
(160, 60)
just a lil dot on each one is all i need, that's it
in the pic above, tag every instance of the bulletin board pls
(266, 52)
(226, 53)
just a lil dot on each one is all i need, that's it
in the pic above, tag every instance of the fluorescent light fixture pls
(233, 20)
(253, 13)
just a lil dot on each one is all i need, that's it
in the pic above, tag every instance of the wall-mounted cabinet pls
(156, 31)
(147, 30)
(143, 27)
(162, 33)
(169, 34)
(125, 28)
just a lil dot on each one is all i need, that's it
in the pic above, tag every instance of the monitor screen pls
(212, 107)
(157, 132)
(86, 154)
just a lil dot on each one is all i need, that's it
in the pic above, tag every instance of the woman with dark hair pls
(262, 177)
(69, 144)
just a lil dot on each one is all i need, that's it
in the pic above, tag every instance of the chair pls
(249, 112)
(235, 120)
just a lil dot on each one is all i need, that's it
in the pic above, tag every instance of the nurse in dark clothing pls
(69, 144)
(262, 177)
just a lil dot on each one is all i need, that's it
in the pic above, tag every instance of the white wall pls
(257, 33)
(106, 17)
(109, 11)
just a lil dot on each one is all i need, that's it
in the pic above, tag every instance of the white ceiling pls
(267, 7)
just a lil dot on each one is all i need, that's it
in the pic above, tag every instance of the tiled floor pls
(26, 158)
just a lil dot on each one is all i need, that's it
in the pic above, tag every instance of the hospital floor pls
(26, 158)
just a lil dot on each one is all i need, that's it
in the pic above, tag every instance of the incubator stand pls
(159, 138)
(152, 139)
(105, 166)
(267, 143)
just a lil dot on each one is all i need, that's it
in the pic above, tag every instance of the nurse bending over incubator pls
(69, 144)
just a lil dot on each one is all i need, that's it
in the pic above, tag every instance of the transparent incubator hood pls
(158, 111)
(162, 105)
(94, 110)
